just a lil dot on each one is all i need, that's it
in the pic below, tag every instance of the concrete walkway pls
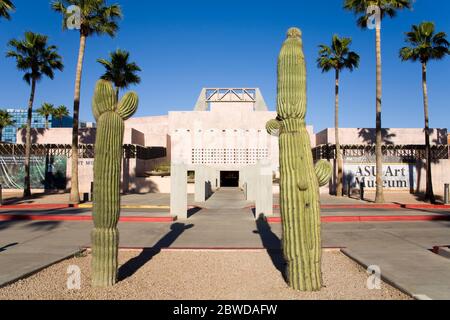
(226, 221)
(26, 247)
(163, 199)
(401, 251)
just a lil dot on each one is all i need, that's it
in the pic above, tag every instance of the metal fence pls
(404, 153)
(85, 151)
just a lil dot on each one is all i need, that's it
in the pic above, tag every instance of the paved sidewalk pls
(29, 247)
(163, 199)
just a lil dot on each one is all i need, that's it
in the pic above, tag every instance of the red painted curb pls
(380, 206)
(362, 206)
(338, 219)
(427, 206)
(38, 206)
(23, 217)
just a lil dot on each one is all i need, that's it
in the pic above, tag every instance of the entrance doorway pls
(229, 179)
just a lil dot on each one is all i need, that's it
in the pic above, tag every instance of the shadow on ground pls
(133, 265)
(29, 200)
(271, 243)
(193, 211)
(4, 248)
(34, 226)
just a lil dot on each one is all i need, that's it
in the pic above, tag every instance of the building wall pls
(57, 136)
(398, 136)
(155, 130)
(238, 137)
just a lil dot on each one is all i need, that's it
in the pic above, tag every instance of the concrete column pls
(264, 193)
(242, 178)
(216, 179)
(178, 194)
(212, 178)
(252, 182)
(200, 184)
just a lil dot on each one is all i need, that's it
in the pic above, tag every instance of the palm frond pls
(34, 56)
(388, 8)
(97, 17)
(6, 7)
(337, 56)
(5, 119)
(425, 44)
(119, 70)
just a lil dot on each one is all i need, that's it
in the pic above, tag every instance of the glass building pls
(19, 116)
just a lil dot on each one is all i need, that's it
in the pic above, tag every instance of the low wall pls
(132, 177)
(155, 185)
(440, 175)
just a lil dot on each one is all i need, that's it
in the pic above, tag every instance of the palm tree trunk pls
(429, 196)
(1, 134)
(46, 122)
(74, 191)
(379, 138)
(27, 182)
(339, 160)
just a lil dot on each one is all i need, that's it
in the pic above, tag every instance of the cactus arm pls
(128, 105)
(324, 172)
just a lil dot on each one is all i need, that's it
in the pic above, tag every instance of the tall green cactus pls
(110, 116)
(300, 180)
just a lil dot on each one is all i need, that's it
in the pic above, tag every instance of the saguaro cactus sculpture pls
(300, 180)
(110, 116)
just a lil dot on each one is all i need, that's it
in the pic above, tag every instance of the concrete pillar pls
(264, 192)
(200, 184)
(217, 182)
(178, 194)
(242, 178)
(212, 179)
(252, 182)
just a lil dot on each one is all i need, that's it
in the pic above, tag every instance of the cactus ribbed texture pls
(110, 118)
(299, 179)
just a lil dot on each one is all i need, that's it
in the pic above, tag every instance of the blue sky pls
(183, 46)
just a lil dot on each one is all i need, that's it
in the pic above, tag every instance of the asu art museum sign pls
(395, 176)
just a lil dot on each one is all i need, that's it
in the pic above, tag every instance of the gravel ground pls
(200, 275)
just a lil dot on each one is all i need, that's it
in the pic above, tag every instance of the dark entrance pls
(229, 179)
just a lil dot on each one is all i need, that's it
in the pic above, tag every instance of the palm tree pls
(46, 110)
(425, 45)
(60, 113)
(387, 8)
(96, 18)
(338, 57)
(37, 59)
(6, 6)
(120, 71)
(5, 121)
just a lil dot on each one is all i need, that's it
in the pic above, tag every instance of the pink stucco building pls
(225, 132)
